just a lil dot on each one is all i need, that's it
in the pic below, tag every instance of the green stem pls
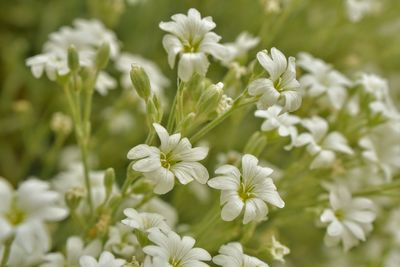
(6, 252)
(237, 104)
(378, 189)
(171, 117)
(51, 156)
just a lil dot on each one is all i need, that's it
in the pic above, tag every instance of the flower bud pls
(61, 123)
(154, 109)
(73, 58)
(74, 196)
(210, 98)
(109, 179)
(140, 81)
(102, 56)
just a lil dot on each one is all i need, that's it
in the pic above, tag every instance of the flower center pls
(15, 216)
(339, 214)
(245, 192)
(174, 262)
(165, 160)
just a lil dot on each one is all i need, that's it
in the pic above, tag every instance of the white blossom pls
(248, 190)
(174, 158)
(75, 248)
(357, 9)
(170, 249)
(87, 36)
(322, 79)
(349, 219)
(281, 86)
(231, 255)
(275, 118)
(144, 221)
(277, 250)
(190, 37)
(106, 260)
(321, 144)
(122, 241)
(243, 43)
(32, 203)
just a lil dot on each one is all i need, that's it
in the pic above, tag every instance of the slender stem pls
(6, 252)
(236, 105)
(50, 159)
(378, 189)
(171, 117)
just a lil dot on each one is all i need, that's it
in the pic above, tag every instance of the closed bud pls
(73, 58)
(109, 179)
(102, 56)
(188, 121)
(140, 81)
(74, 196)
(154, 109)
(210, 99)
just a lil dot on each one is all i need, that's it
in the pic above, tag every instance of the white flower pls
(382, 148)
(357, 9)
(191, 38)
(323, 79)
(32, 202)
(144, 221)
(243, 43)
(73, 178)
(349, 219)
(248, 191)
(75, 248)
(121, 241)
(106, 260)
(174, 158)
(320, 143)
(165, 209)
(231, 255)
(277, 250)
(172, 250)
(87, 36)
(281, 86)
(276, 119)
(158, 81)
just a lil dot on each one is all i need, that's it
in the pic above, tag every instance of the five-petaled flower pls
(174, 158)
(248, 190)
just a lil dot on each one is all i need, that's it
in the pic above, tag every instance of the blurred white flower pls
(106, 260)
(174, 158)
(277, 250)
(320, 143)
(170, 249)
(349, 219)
(243, 43)
(357, 9)
(248, 191)
(231, 255)
(121, 241)
(275, 118)
(75, 248)
(33, 202)
(392, 259)
(159, 206)
(158, 81)
(322, 79)
(87, 36)
(61, 123)
(281, 86)
(381, 147)
(144, 221)
(191, 38)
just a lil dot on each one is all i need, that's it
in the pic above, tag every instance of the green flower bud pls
(154, 109)
(109, 179)
(73, 59)
(210, 98)
(102, 56)
(140, 81)
(74, 196)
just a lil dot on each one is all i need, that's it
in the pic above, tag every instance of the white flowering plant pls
(181, 134)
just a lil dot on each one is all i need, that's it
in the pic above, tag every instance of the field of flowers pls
(188, 133)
